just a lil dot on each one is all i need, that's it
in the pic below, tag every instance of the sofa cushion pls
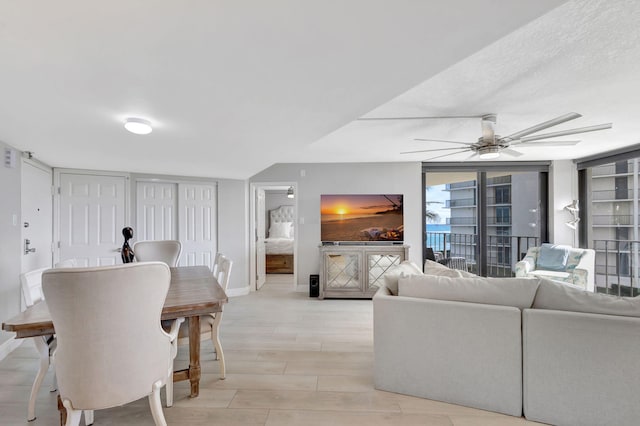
(405, 268)
(552, 257)
(517, 292)
(559, 297)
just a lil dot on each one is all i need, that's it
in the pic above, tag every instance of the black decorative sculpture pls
(127, 254)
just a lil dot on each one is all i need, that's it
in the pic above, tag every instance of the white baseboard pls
(9, 346)
(242, 291)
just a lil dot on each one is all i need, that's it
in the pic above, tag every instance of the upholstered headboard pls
(281, 214)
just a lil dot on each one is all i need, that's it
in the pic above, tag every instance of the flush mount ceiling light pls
(290, 192)
(139, 126)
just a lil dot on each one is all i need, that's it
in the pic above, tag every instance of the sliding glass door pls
(483, 220)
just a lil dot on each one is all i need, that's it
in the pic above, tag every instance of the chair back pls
(216, 263)
(31, 283)
(68, 263)
(167, 251)
(223, 271)
(111, 347)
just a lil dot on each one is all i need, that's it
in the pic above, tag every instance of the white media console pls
(356, 271)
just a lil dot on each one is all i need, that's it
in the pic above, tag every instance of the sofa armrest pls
(585, 270)
(525, 266)
(572, 368)
(457, 352)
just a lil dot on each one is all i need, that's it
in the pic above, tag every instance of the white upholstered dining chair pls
(31, 286)
(167, 251)
(210, 323)
(31, 283)
(117, 353)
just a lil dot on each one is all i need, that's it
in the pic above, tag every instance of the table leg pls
(194, 355)
(62, 411)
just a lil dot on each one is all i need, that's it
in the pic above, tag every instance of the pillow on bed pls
(291, 233)
(280, 230)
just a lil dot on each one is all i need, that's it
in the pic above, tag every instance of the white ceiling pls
(235, 86)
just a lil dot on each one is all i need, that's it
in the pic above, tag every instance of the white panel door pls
(92, 213)
(261, 269)
(36, 216)
(197, 223)
(156, 211)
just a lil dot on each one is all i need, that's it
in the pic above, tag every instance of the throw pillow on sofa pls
(559, 297)
(392, 276)
(517, 292)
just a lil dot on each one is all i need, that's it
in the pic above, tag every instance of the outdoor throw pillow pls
(552, 257)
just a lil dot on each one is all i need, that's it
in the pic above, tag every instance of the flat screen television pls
(361, 217)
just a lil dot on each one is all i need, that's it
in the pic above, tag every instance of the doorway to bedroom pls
(273, 248)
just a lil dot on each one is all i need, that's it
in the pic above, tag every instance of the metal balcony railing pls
(502, 251)
(612, 220)
(499, 200)
(613, 194)
(499, 220)
(617, 267)
(498, 180)
(612, 169)
(460, 185)
(461, 220)
(462, 202)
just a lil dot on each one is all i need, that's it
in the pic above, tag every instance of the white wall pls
(10, 244)
(347, 178)
(563, 189)
(233, 228)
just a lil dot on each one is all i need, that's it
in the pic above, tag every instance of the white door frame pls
(252, 229)
(56, 200)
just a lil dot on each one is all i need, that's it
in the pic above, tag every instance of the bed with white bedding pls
(279, 243)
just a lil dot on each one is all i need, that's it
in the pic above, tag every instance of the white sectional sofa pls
(560, 355)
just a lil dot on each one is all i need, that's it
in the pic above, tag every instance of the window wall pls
(612, 223)
(486, 215)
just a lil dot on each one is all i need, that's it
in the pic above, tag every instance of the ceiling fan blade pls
(418, 118)
(545, 143)
(445, 155)
(429, 150)
(542, 126)
(440, 140)
(511, 152)
(471, 156)
(568, 132)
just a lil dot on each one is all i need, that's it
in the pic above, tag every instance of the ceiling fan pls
(490, 146)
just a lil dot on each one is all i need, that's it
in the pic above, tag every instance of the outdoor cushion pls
(552, 257)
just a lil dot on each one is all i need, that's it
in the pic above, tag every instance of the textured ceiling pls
(582, 57)
(233, 87)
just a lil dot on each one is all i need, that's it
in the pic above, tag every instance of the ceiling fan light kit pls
(490, 145)
(489, 152)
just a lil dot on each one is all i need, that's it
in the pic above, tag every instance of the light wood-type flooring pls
(291, 360)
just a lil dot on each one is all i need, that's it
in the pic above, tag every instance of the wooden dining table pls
(193, 292)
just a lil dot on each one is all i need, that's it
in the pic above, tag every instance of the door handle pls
(27, 249)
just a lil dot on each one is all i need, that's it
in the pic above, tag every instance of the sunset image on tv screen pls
(361, 217)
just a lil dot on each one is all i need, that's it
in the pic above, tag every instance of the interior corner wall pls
(10, 244)
(563, 189)
(347, 178)
(233, 231)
